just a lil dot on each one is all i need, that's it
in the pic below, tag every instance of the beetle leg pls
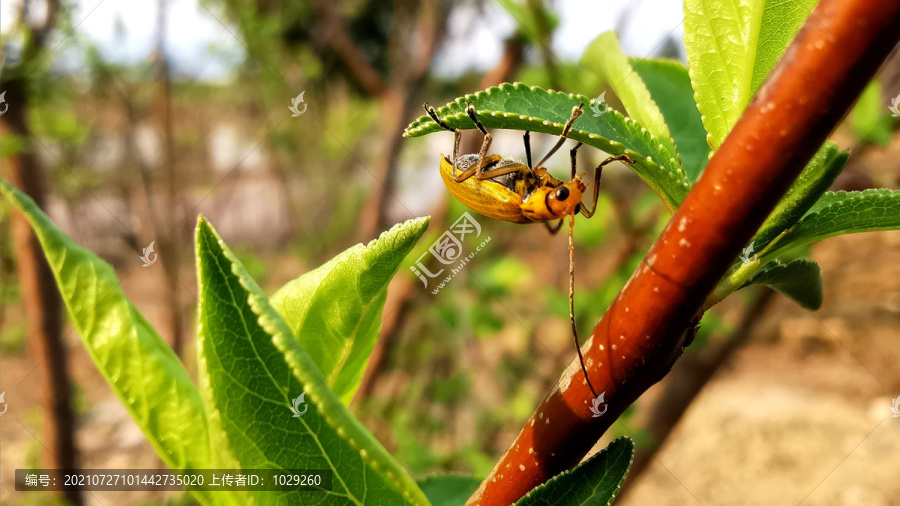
(576, 112)
(527, 139)
(598, 172)
(487, 174)
(457, 135)
(553, 230)
(572, 156)
(470, 110)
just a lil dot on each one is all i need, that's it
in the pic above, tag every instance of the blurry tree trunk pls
(418, 29)
(40, 295)
(401, 289)
(43, 305)
(411, 53)
(168, 229)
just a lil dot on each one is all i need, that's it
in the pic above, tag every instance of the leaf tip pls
(412, 229)
(206, 230)
(204, 227)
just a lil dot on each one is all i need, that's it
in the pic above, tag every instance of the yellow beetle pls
(506, 189)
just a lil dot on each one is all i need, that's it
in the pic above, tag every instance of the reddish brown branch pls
(168, 249)
(826, 67)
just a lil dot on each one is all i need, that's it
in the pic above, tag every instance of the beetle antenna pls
(572, 301)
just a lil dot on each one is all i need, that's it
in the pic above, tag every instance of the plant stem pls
(636, 342)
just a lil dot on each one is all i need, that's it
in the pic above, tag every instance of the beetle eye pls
(562, 193)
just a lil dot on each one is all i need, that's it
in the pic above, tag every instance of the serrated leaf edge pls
(420, 125)
(854, 197)
(272, 323)
(356, 253)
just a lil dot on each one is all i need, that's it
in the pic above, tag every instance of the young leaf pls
(605, 56)
(835, 213)
(799, 279)
(519, 107)
(258, 374)
(818, 175)
(448, 489)
(138, 365)
(732, 45)
(840, 213)
(594, 482)
(781, 20)
(720, 38)
(335, 310)
(670, 87)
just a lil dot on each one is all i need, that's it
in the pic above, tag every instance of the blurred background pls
(125, 120)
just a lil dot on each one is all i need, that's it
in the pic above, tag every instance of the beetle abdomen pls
(488, 197)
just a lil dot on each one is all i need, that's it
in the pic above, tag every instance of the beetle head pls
(554, 202)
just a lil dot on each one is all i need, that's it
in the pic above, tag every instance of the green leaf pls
(140, 367)
(670, 87)
(835, 213)
(781, 20)
(519, 107)
(255, 370)
(869, 116)
(732, 46)
(720, 37)
(799, 279)
(594, 482)
(839, 213)
(448, 489)
(605, 57)
(818, 175)
(335, 310)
